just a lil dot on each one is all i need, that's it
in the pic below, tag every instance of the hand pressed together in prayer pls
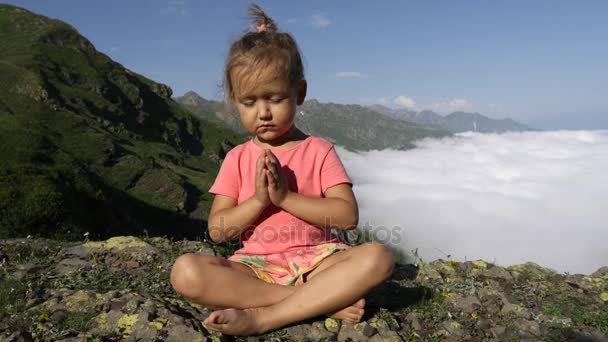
(270, 183)
(277, 183)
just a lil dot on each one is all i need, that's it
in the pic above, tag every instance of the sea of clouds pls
(506, 198)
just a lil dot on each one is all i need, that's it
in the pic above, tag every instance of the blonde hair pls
(266, 50)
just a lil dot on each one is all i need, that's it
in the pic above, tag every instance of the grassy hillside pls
(88, 145)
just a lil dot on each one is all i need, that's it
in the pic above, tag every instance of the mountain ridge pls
(455, 122)
(352, 126)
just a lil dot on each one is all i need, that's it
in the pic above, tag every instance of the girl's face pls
(267, 107)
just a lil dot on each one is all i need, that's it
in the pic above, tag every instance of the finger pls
(259, 163)
(274, 158)
(269, 177)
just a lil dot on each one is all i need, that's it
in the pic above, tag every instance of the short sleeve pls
(333, 171)
(227, 180)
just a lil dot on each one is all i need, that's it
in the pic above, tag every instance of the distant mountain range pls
(455, 122)
(353, 126)
(361, 127)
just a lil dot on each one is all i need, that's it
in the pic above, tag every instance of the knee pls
(379, 259)
(184, 274)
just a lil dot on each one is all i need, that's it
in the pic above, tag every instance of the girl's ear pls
(301, 92)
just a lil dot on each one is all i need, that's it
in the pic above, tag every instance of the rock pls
(332, 325)
(180, 333)
(483, 324)
(499, 274)
(480, 264)
(467, 304)
(601, 272)
(355, 332)
(392, 338)
(70, 265)
(498, 331)
(529, 271)
(453, 328)
(308, 332)
(383, 328)
(528, 329)
(414, 322)
(23, 271)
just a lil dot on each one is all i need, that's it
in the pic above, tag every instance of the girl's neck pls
(287, 140)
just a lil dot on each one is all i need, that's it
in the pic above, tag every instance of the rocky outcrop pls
(119, 289)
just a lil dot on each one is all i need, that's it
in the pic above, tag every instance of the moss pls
(117, 242)
(157, 325)
(81, 300)
(126, 322)
(480, 264)
(331, 324)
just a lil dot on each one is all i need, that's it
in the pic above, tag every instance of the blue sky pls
(544, 63)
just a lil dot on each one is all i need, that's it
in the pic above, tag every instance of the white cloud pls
(114, 49)
(292, 20)
(508, 198)
(450, 106)
(349, 74)
(404, 101)
(177, 7)
(319, 20)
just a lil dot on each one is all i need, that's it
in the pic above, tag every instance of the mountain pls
(87, 145)
(213, 111)
(455, 122)
(358, 128)
(352, 126)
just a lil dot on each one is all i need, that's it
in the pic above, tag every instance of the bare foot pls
(351, 314)
(235, 322)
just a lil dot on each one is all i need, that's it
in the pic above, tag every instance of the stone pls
(528, 329)
(391, 338)
(70, 265)
(453, 328)
(498, 331)
(332, 325)
(414, 322)
(307, 332)
(601, 272)
(467, 304)
(357, 332)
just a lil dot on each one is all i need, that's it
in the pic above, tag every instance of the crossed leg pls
(358, 270)
(213, 283)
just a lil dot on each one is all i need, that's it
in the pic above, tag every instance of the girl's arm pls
(227, 219)
(338, 209)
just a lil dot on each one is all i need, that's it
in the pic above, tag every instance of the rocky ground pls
(119, 289)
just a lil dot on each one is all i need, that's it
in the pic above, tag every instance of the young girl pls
(282, 192)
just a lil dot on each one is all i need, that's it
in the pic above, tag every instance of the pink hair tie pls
(261, 28)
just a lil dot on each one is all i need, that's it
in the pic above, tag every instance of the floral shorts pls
(289, 267)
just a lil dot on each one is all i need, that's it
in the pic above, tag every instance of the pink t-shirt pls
(310, 168)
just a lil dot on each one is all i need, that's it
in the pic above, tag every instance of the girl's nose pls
(264, 110)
